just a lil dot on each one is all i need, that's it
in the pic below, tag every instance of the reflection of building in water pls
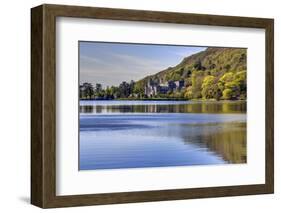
(153, 88)
(196, 107)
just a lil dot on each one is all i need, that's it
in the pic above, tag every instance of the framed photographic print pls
(136, 106)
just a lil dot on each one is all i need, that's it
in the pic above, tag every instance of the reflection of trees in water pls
(227, 140)
(231, 146)
(201, 107)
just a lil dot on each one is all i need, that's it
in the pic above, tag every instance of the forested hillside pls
(216, 73)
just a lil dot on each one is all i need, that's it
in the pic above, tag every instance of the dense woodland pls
(216, 73)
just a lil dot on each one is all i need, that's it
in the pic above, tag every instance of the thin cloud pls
(128, 68)
(110, 65)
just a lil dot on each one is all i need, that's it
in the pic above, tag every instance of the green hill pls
(215, 73)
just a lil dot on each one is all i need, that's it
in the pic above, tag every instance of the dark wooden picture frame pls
(43, 105)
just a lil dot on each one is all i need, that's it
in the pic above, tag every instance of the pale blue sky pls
(112, 63)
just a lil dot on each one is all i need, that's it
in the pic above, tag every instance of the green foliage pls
(241, 79)
(188, 93)
(210, 89)
(215, 73)
(139, 90)
(227, 66)
(227, 94)
(86, 90)
(174, 76)
(198, 65)
(234, 86)
(197, 79)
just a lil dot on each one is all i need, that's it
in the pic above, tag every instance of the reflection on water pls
(173, 107)
(118, 135)
(228, 141)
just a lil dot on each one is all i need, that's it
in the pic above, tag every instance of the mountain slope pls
(210, 65)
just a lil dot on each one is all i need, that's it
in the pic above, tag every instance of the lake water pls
(137, 134)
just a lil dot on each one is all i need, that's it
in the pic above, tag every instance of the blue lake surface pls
(138, 134)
